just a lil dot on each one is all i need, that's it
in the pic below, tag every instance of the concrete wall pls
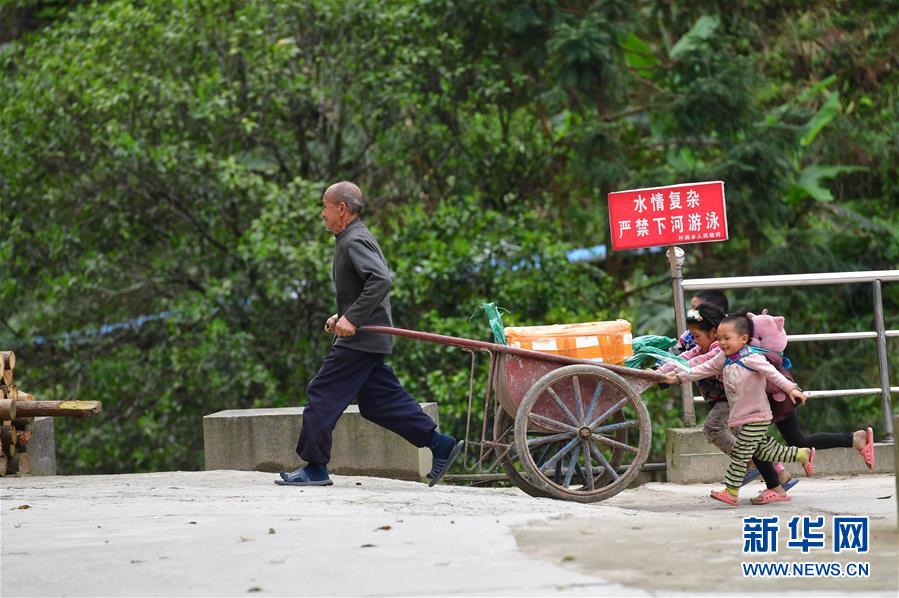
(265, 440)
(690, 459)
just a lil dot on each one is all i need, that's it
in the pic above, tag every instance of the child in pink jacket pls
(745, 375)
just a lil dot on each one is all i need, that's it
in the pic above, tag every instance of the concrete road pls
(673, 538)
(224, 533)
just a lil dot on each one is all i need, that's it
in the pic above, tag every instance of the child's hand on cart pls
(797, 396)
(671, 378)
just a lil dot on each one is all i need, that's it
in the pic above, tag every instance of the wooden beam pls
(58, 408)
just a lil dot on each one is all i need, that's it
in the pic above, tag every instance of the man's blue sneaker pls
(444, 454)
(300, 477)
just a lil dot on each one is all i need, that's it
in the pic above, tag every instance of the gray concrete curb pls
(265, 440)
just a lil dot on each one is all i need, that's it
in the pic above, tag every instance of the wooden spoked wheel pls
(582, 433)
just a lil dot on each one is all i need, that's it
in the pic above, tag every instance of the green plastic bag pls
(654, 347)
(496, 322)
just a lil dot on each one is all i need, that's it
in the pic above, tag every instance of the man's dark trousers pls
(348, 375)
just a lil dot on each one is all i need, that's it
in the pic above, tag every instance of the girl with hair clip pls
(686, 342)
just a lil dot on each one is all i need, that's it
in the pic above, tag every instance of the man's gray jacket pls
(362, 280)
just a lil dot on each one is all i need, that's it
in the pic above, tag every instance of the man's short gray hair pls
(348, 193)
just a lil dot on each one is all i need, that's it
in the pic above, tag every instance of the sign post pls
(675, 257)
(670, 215)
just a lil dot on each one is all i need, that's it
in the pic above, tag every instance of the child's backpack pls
(769, 338)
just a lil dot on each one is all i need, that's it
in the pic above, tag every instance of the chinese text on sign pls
(676, 214)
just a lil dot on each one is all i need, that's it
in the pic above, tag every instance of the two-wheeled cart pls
(563, 427)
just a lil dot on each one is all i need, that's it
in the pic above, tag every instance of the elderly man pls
(354, 368)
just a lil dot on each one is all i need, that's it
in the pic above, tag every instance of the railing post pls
(675, 257)
(882, 364)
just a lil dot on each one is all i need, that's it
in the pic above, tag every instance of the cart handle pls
(473, 345)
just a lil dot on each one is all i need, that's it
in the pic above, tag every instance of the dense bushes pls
(168, 158)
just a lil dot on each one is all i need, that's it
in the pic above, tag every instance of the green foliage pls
(169, 157)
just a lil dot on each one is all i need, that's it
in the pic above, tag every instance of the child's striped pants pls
(753, 441)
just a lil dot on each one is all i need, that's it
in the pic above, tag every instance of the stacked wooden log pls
(17, 412)
(13, 440)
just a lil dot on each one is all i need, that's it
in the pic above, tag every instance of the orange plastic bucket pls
(607, 342)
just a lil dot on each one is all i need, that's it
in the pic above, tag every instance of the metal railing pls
(875, 278)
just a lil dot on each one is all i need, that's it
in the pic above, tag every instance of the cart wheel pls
(511, 464)
(594, 424)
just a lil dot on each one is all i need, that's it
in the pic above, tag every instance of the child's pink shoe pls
(724, 496)
(867, 451)
(769, 496)
(809, 466)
